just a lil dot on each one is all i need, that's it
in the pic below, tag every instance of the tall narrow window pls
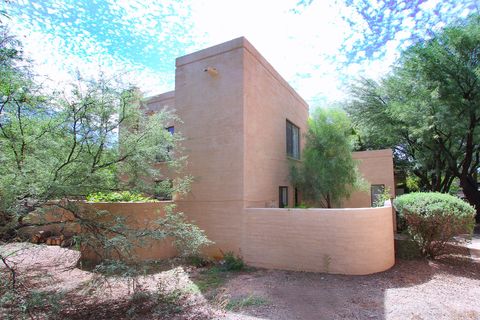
(297, 201)
(293, 140)
(283, 197)
(376, 190)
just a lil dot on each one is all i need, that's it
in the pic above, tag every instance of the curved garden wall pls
(345, 241)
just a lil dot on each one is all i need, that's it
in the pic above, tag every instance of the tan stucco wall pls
(376, 167)
(269, 103)
(138, 215)
(160, 101)
(345, 241)
(234, 124)
(212, 112)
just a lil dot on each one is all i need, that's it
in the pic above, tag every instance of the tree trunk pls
(470, 190)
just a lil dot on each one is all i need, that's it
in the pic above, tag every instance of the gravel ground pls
(445, 289)
(448, 288)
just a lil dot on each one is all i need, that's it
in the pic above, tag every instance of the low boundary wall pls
(355, 241)
(138, 215)
(345, 241)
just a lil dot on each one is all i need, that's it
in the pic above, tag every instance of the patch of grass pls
(211, 279)
(237, 304)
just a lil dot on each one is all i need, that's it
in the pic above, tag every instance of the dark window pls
(376, 190)
(297, 202)
(293, 140)
(283, 197)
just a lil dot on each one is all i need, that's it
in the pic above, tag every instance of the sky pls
(318, 46)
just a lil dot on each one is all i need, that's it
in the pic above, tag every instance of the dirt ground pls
(445, 289)
(448, 288)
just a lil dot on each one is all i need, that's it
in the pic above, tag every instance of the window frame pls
(290, 128)
(382, 188)
(282, 189)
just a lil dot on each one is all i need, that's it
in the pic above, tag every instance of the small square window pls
(376, 191)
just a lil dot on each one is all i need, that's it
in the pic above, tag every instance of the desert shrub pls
(433, 219)
(188, 238)
(120, 196)
(198, 261)
(232, 262)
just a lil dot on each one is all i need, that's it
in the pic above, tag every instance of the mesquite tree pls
(91, 136)
(428, 109)
(327, 173)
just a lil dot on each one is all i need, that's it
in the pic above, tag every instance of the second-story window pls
(293, 140)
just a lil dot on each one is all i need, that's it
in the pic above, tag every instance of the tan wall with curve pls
(344, 241)
(234, 124)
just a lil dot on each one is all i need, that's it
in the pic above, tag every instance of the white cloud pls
(300, 45)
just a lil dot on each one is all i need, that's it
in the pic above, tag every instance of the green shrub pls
(433, 219)
(231, 262)
(198, 261)
(120, 196)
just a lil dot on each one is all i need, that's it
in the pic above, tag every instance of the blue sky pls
(318, 46)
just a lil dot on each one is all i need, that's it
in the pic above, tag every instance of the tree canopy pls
(91, 136)
(428, 110)
(327, 173)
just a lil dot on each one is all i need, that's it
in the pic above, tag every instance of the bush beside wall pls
(433, 219)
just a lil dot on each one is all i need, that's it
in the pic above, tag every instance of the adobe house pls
(244, 125)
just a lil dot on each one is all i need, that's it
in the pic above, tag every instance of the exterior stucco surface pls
(376, 167)
(269, 103)
(137, 215)
(345, 241)
(234, 124)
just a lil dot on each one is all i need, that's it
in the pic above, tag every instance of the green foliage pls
(121, 196)
(411, 110)
(433, 219)
(210, 279)
(328, 172)
(189, 239)
(198, 261)
(75, 142)
(412, 183)
(232, 262)
(303, 205)
(34, 304)
(245, 302)
(380, 201)
(90, 137)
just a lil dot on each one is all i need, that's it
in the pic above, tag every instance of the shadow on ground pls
(412, 289)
